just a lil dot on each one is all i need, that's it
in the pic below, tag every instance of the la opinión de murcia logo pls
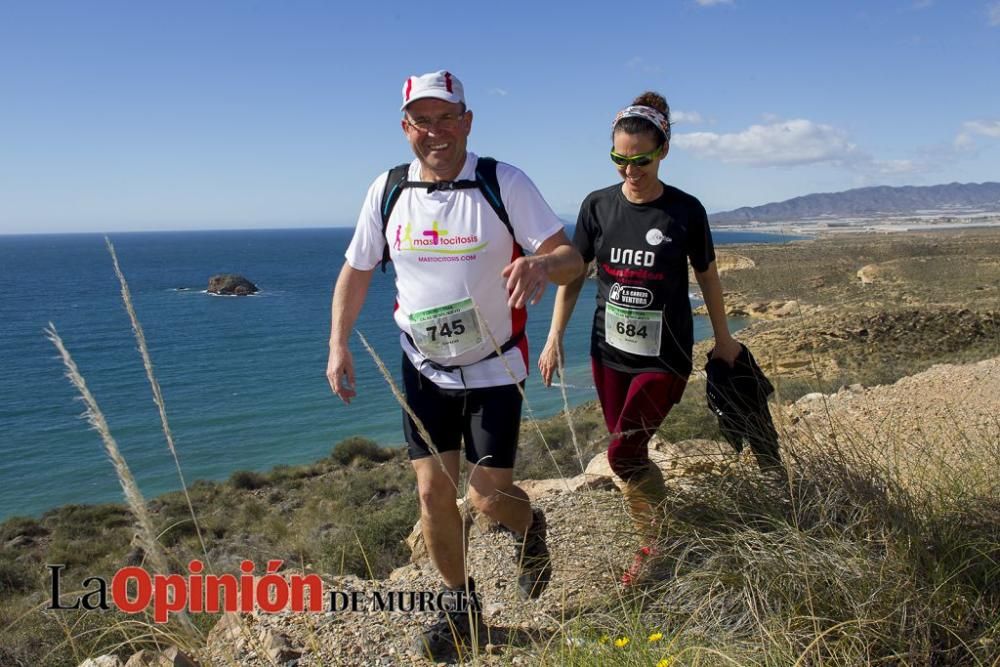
(133, 590)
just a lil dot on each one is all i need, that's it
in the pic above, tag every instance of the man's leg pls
(440, 521)
(492, 492)
(491, 433)
(456, 627)
(437, 473)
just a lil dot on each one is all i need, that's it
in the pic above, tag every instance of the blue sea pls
(243, 378)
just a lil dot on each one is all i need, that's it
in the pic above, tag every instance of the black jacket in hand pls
(738, 396)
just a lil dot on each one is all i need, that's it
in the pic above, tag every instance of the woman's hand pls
(727, 349)
(548, 360)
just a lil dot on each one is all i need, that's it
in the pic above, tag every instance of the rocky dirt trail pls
(946, 408)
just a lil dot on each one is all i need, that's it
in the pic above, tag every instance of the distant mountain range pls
(875, 202)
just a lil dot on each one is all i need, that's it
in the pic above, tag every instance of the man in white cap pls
(454, 226)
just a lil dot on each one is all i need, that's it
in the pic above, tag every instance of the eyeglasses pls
(446, 121)
(640, 160)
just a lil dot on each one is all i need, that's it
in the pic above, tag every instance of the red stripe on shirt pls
(519, 316)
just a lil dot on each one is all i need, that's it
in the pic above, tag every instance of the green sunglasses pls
(640, 160)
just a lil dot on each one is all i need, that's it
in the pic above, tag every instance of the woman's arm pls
(552, 353)
(726, 347)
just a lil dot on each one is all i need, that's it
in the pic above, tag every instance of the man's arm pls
(552, 354)
(348, 297)
(726, 347)
(556, 259)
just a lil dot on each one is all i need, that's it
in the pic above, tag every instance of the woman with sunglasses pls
(641, 232)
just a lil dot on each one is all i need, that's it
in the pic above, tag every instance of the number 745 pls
(446, 330)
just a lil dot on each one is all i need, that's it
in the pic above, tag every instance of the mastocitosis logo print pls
(436, 240)
(432, 236)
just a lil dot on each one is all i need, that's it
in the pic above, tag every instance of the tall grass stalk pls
(154, 384)
(145, 533)
(401, 399)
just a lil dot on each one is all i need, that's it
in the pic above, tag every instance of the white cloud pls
(994, 14)
(640, 64)
(778, 143)
(987, 128)
(497, 91)
(972, 128)
(897, 167)
(691, 117)
(709, 3)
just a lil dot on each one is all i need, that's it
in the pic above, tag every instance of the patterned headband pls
(654, 116)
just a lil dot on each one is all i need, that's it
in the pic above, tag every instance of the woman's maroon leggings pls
(634, 406)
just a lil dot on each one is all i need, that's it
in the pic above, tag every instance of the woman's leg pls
(634, 405)
(648, 400)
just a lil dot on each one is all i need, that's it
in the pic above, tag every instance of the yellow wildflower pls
(603, 639)
(656, 636)
(622, 642)
(666, 662)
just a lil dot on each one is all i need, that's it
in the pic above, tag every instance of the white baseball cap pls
(441, 85)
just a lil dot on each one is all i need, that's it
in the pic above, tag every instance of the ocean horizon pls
(243, 378)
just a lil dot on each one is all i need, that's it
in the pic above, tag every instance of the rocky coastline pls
(890, 343)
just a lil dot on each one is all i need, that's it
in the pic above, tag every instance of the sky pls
(118, 116)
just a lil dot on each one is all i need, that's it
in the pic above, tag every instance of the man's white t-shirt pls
(448, 248)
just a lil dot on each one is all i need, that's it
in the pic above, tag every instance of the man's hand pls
(548, 360)
(340, 373)
(526, 280)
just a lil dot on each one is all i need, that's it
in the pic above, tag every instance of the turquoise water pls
(243, 378)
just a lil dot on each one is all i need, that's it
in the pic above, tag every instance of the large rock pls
(102, 661)
(676, 460)
(415, 540)
(731, 261)
(869, 274)
(536, 488)
(172, 657)
(277, 646)
(231, 284)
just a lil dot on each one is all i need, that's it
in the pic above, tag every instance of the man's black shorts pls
(489, 419)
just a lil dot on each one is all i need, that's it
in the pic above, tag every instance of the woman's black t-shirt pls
(643, 319)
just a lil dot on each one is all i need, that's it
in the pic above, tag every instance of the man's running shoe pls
(456, 630)
(532, 556)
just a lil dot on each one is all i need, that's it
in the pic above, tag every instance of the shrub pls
(21, 525)
(346, 451)
(15, 577)
(247, 479)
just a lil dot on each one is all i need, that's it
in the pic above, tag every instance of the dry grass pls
(859, 561)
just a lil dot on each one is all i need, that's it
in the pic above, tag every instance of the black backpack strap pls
(489, 185)
(394, 185)
(486, 181)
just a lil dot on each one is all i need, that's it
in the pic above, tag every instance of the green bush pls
(247, 480)
(347, 451)
(21, 525)
(15, 577)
